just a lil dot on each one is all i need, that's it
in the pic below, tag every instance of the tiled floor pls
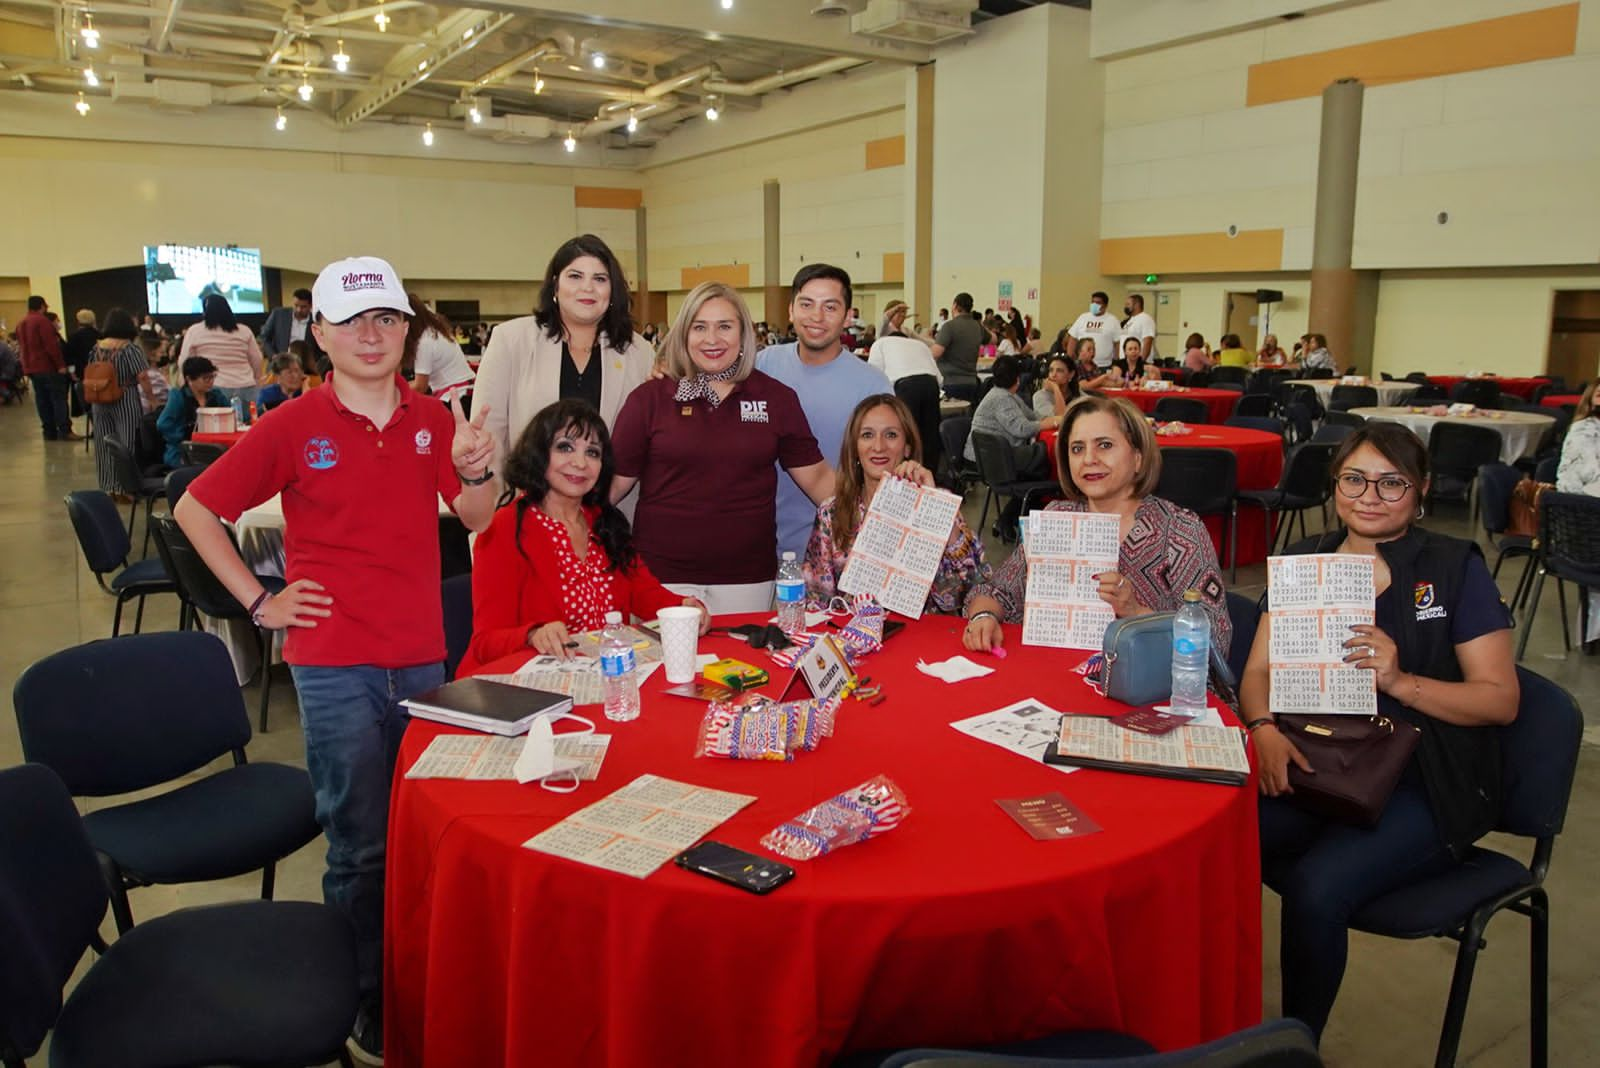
(1393, 996)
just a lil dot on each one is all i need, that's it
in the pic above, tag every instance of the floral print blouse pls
(960, 568)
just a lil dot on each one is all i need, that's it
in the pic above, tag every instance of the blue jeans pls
(1324, 872)
(50, 397)
(245, 395)
(353, 724)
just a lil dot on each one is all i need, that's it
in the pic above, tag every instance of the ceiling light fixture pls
(598, 61)
(381, 18)
(470, 31)
(91, 77)
(427, 135)
(711, 110)
(727, 5)
(341, 62)
(82, 105)
(571, 143)
(305, 90)
(422, 66)
(281, 123)
(538, 82)
(633, 122)
(90, 35)
(474, 114)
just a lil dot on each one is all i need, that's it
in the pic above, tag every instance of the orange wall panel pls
(599, 196)
(888, 152)
(894, 267)
(736, 275)
(1213, 253)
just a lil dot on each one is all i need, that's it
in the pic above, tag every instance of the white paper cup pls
(680, 641)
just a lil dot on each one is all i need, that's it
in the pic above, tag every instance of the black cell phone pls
(747, 871)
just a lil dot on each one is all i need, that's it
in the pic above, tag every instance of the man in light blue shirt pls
(829, 380)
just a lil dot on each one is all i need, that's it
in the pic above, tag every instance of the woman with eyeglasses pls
(1441, 659)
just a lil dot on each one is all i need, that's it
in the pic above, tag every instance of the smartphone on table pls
(747, 871)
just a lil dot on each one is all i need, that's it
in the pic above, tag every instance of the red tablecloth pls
(1260, 465)
(1520, 387)
(1220, 401)
(225, 440)
(1560, 400)
(955, 929)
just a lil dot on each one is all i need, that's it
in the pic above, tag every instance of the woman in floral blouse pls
(881, 441)
(1579, 472)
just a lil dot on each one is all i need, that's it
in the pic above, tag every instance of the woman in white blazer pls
(579, 342)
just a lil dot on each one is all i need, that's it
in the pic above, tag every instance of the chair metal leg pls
(149, 509)
(121, 912)
(1533, 610)
(268, 878)
(983, 519)
(138, 615)
(1561, 598)
(1455, 1009)
(1524, 587)
(264, 642)
(1539, 979)
(133, 512)
(116, 618)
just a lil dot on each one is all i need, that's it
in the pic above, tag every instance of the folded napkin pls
(956, 669)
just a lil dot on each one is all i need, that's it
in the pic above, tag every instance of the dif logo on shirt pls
(753, 411)
(321, 454)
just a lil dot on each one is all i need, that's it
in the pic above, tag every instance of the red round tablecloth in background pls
(225, 440)
(955, 929)
(1560, 400)
(1260, 458)
(1520, 387)
(1220, 401)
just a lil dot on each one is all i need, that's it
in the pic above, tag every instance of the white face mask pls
(538, 759)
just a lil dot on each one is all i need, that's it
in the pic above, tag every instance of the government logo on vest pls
(753, 411)
(1423, 598)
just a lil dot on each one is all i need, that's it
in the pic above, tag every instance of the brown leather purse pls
(1358, 761)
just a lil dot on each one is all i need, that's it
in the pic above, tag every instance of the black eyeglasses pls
(1390, 488)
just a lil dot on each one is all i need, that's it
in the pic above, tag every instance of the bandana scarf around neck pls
(699, 385)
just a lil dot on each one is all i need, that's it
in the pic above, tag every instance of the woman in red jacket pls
(558, 555)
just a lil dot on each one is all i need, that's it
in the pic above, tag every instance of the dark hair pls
(219, 314)
(303, 294)
(812, 271)
(1138, 297)
(198, 367)
(1194, 341)
(423, 319)
(36, 304)
(1104, 299)
(1005, 372)
(963, 301)
(1398, 445)
(283, 361)
(618, 319)
(119, 324)
(150, 341)
(529, 463)
(1229, 341)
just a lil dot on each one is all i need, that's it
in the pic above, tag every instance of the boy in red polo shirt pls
(361, 464)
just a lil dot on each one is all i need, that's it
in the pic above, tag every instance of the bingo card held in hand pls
(1316, 599)
(1066, 550)
(898, 548)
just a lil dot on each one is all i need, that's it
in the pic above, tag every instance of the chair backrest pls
(195, 581)
(99, 528)
(1332, 432)
(200, 453)
(1484, 392)
(1419, 377)
(1349, 419)
(1457, 450)
(1545, 470)
(1569, 535)
(1298, 416)
(1201, 480)
(1539, 758)
(455, 547)
(1230, 373)
(1495, 483)
(1264, 423)
(127, 713)
(1245, 615)
(1253, 404)
(997, 464)
(1306, 472)
(953, 432)
(1298, 393)
(1197, 378)
(1428, 393)
(127, 466)
(52, 900)
(1346, 397)
(456, 597)
(178, 480)
(1187, 409)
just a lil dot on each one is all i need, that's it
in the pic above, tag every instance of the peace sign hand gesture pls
(473, 448)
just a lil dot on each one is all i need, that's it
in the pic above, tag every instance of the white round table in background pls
(1389, 393)
(1520, 432)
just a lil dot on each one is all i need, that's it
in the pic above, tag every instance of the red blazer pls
(512, 593)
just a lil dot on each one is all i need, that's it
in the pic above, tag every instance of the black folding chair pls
(1264, 423)
(178, 480)
(1253, 405)
(256, 982)
(1245, 616)
(1228, 375)
(94, 716)
(1341, 418)
(143, 487)
(106, 547)
(1428, 393)
(959, 471)
(456, 599)
(200, 453)
(1569, 550)
(1332, 432)
(1206, 482)
(1304, 484)
(1182, 409)
(1346, 397)
(1455, 452)
(1496, 483)
(1482, 392)
(1538, 760)
(997, 464)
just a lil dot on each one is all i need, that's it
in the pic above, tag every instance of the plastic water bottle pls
(791, 595)
(1191, 657)
(238, 413)
(621, 681)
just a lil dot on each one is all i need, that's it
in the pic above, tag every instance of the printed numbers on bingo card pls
(1296, 689)
(897, 500)
(1295, 636)
(1352, 690)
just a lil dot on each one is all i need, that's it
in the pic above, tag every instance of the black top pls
(585, 384)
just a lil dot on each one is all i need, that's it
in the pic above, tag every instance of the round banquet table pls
(1520, 432)
(233, 437)
(1520, 387)
(1220, 401)
(954, 929)
(1260, 458)
(1389, 393)
(1560, 400)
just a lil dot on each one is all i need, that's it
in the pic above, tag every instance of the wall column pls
(774, 288)
(1343, 302)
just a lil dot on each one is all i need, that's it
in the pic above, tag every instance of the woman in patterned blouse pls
(881, 440)
(1108, 461)
(558, 554)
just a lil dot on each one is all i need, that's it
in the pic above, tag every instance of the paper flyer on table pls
(1027, 728)
(898, 548)
(578, 677)
(1316, 599)
(492, 757)
(1097, 738)
(640, 827)
(1066, 550)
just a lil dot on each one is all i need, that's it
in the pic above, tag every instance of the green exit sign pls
(1151, 279)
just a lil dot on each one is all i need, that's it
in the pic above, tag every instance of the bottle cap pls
(1191, 596)
(613, 619)
(788, 556)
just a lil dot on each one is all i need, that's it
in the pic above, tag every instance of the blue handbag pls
(1136, 662)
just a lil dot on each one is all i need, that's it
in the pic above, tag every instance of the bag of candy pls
(863, 635)
(740, 733)
(809, 722)
(869, 809)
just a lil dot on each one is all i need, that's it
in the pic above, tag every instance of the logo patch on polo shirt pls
(424, 442)
(753, 411)
(321, 454)
(1423, 597)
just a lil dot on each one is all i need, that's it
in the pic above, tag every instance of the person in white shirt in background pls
(906, 360)
(439, 367)
(1139, 324)
(1097, 323)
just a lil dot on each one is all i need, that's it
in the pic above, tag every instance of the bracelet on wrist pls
(257, 605)
(480, 480)
(1256, 724)
(974, 617)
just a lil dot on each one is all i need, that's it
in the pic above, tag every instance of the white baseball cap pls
(346, 288)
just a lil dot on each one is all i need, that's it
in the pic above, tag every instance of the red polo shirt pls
(41, 345)
(707, 484)
(361, 517)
